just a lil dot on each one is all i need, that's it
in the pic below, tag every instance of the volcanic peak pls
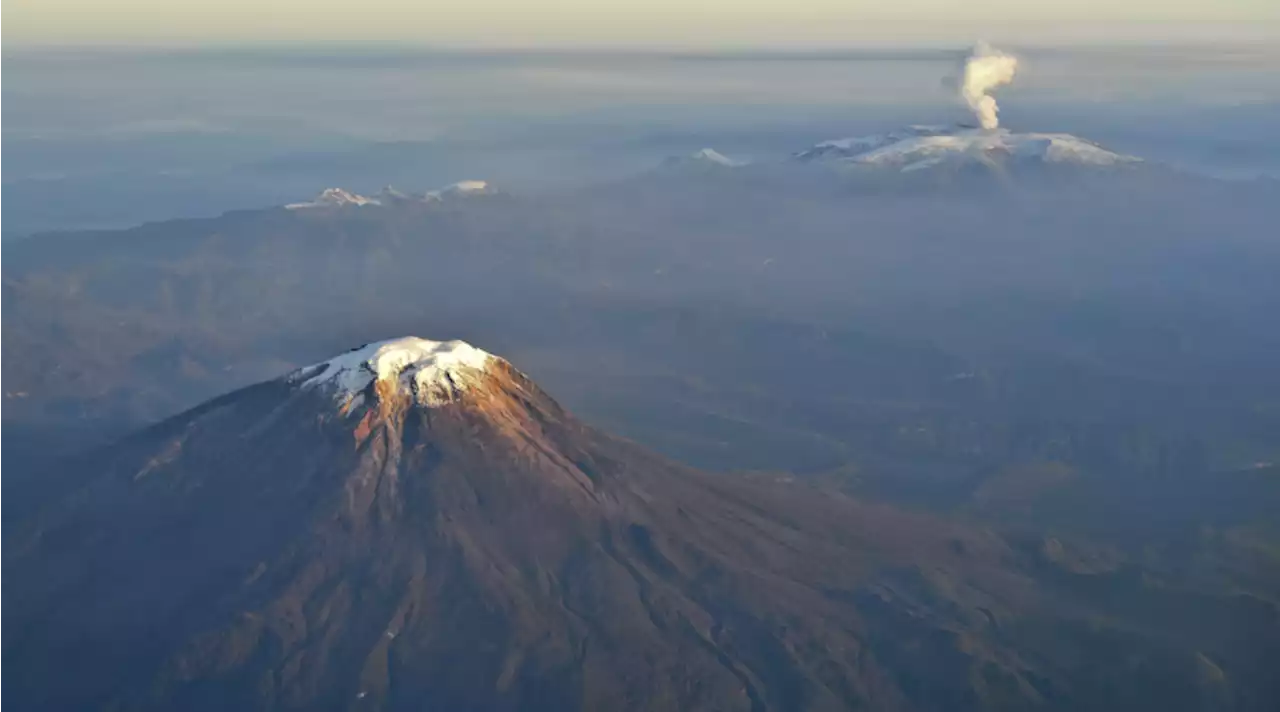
(433, 373)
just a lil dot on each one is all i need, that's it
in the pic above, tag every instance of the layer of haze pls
(96, 138)
(634, 23)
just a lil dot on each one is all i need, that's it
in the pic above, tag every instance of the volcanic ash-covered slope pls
(416, 525)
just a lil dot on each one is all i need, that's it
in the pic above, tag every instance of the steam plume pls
(985, 69)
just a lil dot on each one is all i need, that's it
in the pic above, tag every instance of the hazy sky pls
(636, 23)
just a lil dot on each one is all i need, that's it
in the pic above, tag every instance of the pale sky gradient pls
(709, 24)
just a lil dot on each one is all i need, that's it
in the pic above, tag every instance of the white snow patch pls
(982, 143)
(432, 372)
(919, 147)
(334, 197)
(703, 159)
(857, 145)
(710, 155)
(390, 194)
(462, 187)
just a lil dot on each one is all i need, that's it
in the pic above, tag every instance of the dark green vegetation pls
(1079, 374)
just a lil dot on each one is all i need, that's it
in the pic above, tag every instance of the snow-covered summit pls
(390, 194)
(710, 155)
(854, 146)
(704, 157)
(334, 197)
(338, 197)
(462, 187)
(918, 147)
(431, 372)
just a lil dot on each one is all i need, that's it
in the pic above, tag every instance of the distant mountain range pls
(339, 197)
(1147, 273)
(911, 149)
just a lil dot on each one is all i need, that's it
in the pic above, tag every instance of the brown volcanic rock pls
(289, 547)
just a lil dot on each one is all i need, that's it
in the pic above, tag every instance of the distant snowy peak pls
(431, 373)
(710, 155)
(704, 157)
(463, 187)
(332, 198)
(337, 197)
(981, 144)
(920, 147)
(848, 148)
(390, 194)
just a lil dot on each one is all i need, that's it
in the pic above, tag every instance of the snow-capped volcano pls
(430, 372)
(918, 147)
(443, 543)
(387, 556)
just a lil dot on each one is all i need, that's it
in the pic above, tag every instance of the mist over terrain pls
(137, 136)
(1025, 362)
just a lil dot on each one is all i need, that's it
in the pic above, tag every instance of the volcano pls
(417, 525)
(922, 147)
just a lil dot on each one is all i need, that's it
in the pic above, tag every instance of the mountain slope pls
(920, 147)
(417, 523)
(300, 550)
